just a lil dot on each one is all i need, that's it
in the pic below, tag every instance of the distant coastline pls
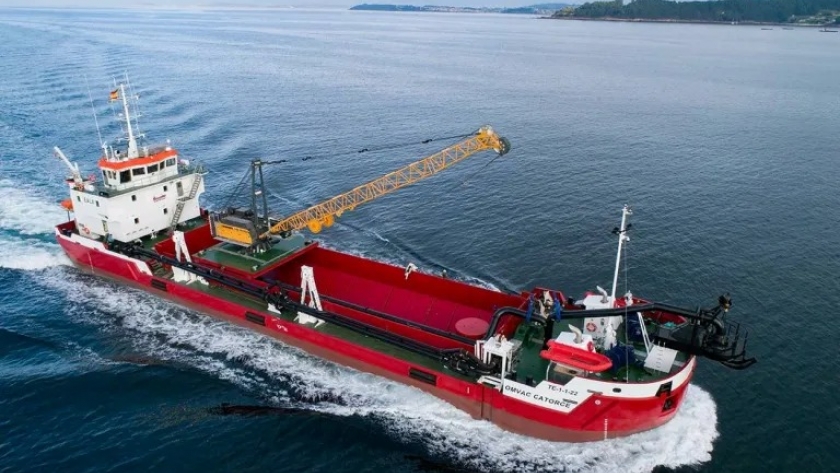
(690, 22)
(537, 9)
(802, 13)
(820, 13)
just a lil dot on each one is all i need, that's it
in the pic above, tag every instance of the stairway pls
(158, 269)
(183, 200)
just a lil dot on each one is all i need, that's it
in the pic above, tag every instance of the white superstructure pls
(140, 191)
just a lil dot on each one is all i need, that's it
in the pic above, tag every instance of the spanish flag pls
(115, 94)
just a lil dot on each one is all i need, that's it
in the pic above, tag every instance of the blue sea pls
(723, 139)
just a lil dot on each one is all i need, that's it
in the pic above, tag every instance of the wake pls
(27, 223)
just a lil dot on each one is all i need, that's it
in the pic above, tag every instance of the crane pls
(248, 228)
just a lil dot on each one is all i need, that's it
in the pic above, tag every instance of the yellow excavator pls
(247, 228)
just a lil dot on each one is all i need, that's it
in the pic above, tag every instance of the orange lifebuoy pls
(591, 327)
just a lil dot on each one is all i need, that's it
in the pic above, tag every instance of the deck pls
(432, 303)
(532, 366)
(331, 329)
(235, 256)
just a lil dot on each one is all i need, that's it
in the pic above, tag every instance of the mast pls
(132, 142)
(622, 237)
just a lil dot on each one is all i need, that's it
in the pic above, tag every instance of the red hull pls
(599, 417)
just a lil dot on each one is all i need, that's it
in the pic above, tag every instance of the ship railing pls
(716, 338)
(191, 168)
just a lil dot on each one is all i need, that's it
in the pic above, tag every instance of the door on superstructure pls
(180, 187)
(104, 227)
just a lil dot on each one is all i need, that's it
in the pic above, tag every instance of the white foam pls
(26, 212)
(26, 220)
(257, 363)
(378, 236)
(478, 282)
(686, 440)
(30, 254)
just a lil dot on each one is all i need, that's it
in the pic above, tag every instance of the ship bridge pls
(152, 165)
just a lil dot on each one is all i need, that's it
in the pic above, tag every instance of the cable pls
(237, 190)
(426, 141)
(465, 181)
(369, 150)
(95, 120)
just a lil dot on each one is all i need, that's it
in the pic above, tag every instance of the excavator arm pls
(323, 215)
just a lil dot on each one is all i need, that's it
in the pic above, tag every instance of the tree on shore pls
(770, 11)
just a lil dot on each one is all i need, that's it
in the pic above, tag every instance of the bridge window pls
(153, 168)
(170, 162)
(139, 171)
(125, 176)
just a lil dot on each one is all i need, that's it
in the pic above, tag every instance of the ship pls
(535, 362)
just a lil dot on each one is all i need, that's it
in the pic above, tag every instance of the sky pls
(296, 3)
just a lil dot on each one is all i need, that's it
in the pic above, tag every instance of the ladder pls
(307, 288)
(183, 200)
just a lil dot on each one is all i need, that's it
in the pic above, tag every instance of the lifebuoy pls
(591, 327)
(86, 230)
(590, 346)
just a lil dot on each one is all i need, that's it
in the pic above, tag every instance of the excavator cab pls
(244, 226)
(236, 226)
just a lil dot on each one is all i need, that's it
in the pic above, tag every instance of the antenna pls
(132, 143)
(136, 98)
(622, 237)
(117, 114)
(93, 109)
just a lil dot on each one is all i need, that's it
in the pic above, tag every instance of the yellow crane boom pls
(323, 215)
(251, 228)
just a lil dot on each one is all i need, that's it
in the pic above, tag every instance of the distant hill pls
(538, 9)
(759, 11)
